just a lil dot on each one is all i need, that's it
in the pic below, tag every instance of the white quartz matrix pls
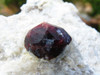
(80, 57)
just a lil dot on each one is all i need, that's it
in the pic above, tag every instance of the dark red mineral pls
(46, 41)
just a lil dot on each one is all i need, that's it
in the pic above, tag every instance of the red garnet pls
(47, 41)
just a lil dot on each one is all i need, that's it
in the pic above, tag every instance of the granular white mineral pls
(81, 57)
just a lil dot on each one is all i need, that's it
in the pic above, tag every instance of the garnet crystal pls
(46, 41)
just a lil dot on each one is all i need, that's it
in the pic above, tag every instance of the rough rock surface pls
(81, 57)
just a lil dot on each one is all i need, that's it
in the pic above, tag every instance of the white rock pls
(81, 57)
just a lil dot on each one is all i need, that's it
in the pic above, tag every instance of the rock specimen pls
(80, 57)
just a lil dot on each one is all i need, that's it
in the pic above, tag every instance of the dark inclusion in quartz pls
(46, 41)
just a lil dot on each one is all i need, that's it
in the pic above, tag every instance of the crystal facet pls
(46, 41)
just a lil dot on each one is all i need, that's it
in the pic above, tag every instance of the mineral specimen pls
(46, 41)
